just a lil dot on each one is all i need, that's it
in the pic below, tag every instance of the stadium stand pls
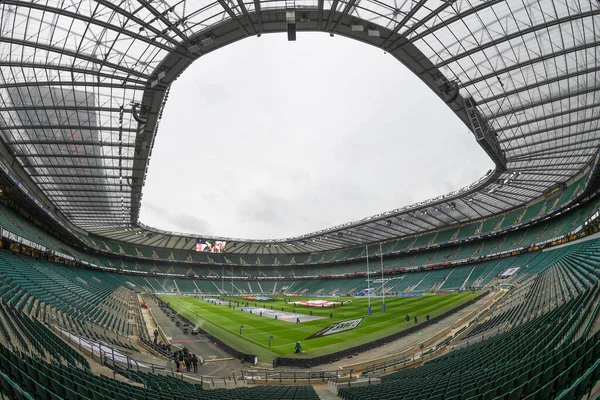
(40, 379)
(42, 297)
(475, 274)
(160, 382)
(484, 247)
(106, 250)
(456, 278)
(40, 365)
(556, 355)
(85, 302)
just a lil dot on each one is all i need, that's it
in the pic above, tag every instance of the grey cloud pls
(269, 139)
(183, 222)
(265, 208)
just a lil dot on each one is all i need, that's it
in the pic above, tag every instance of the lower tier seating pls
(556, 354)
(26, 377)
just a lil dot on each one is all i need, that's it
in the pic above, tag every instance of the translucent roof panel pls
(82, 85)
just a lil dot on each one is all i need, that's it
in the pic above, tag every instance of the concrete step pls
(326, 395)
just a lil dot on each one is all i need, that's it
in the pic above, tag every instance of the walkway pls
(197, 344)
(324, 393)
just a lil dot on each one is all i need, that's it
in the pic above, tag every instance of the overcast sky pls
(267, 139)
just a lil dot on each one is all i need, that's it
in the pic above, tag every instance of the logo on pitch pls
(338, 327)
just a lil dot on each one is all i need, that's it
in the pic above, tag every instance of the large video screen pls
(216, 246)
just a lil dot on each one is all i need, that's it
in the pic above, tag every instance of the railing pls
(401, 362)
(97, 351)
(115, 359)
(335, 384)
(263, 376)
(480, 337)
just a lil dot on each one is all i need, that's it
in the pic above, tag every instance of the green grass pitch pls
(224, 322)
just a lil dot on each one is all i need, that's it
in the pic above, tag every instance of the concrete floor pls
(197, 344)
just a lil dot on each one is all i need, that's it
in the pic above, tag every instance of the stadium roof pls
(83, 84)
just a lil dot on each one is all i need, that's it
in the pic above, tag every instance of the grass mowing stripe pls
(189, 314)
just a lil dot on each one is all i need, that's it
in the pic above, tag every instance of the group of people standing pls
(185, 359)
(416, 319)
(159, 344)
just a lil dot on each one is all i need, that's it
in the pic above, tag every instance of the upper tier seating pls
(557, 226)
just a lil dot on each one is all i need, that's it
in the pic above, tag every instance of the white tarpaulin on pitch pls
(317, 303)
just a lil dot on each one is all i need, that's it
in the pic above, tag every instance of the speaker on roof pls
(290, 17)
(291, 32)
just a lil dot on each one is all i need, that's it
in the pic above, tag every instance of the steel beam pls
(70, 127)
(531, 61)
(73, 70)
(519, 34)
(69, 143)
(73, 54)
